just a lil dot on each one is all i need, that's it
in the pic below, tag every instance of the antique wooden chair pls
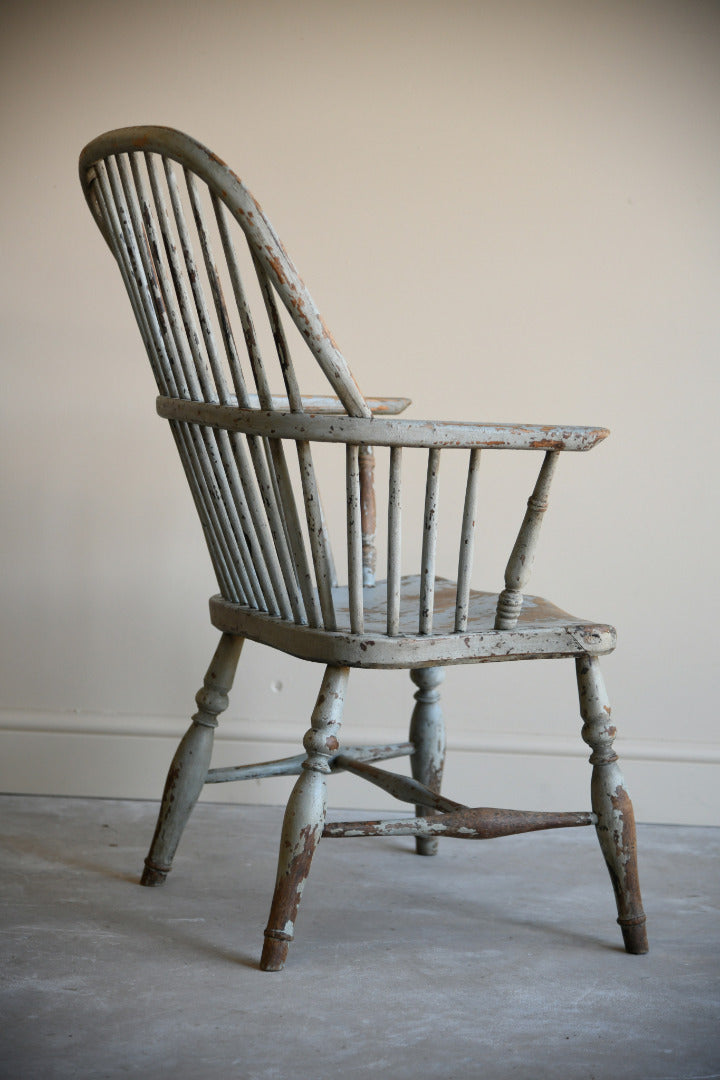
(187, 234)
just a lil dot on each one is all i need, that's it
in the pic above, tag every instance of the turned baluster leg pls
(304, 818)
(427, 734)
(189, 767)
(611, 803)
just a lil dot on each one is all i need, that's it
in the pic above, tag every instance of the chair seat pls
(543, 630)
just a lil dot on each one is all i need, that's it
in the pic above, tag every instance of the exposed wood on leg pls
(611, 803)
(304, 818)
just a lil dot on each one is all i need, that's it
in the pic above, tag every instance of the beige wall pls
(506, 211)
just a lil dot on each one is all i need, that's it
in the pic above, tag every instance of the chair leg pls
(304, 818)
(189, 767)
(427, 734)
(611, 803)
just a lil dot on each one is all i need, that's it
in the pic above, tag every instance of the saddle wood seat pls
(542, 630)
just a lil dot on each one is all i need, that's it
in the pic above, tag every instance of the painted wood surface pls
(382, 430)
(427, 734)
(612, 805)
(304, 818)
(216, 300)
(189, 768)
(542, 630)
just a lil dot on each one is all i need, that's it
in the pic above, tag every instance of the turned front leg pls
(427, 734)
(611, 803)
(190, 764)
(304, 818)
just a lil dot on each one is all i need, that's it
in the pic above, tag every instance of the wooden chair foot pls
(635, 937)
(274, 954)
(152, 876)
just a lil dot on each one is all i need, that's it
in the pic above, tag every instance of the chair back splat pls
(266, 417)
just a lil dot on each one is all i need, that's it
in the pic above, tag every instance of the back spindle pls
(318, 535)
(249, 505)
(269, 459)
(292, 388)
(114, 214)
(200, 449)
(320, 548)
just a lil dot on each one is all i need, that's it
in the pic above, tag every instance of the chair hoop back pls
(128, 179)
(170, 210)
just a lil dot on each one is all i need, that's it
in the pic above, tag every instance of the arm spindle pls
(368, 514)
(394, 542)
(354, 539)
(467, 543)
(427, 573)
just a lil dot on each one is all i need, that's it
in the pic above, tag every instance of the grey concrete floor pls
(496, 959)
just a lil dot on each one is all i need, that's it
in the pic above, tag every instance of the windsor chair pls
(186, 234)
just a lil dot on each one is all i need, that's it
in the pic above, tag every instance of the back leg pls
(611, 803)
(189, 767)
(427, 734)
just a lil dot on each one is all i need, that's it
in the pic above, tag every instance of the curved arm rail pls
(381, 430)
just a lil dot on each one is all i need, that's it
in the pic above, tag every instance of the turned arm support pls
(522, 557)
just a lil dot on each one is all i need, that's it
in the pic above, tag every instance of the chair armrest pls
(382, 430)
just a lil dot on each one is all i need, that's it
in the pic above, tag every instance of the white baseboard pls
(672, 782)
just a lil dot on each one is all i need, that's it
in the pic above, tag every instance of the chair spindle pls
(354, 539)
(266, 460)
(429, 545)
(467, 543)
(394, 542)
(286, 365)
(319, 542)
(368, 514)
(231, 573)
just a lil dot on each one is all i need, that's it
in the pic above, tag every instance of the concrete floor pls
(491, 960)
